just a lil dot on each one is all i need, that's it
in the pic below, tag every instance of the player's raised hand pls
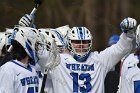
(128, 26)
(26, 21)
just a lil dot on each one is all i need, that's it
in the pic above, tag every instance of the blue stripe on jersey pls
(137, 86)
(28, 67)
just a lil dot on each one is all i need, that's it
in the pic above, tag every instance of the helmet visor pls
(81, 46)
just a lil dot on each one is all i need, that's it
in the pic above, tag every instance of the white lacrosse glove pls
(26, 21)
(128, 26)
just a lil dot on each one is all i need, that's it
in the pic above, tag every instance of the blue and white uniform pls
(130, 75)
(16, 77)
(71, 76)
(49, 85)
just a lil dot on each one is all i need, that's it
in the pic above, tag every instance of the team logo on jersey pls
(80, 67)
(29, 80)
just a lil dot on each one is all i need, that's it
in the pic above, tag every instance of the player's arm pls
(112, 55)
(6, 81)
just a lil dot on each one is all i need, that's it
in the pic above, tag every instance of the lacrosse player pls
(130, 71)
(17, 75)
(59, 38)
(83, 71)
(50, 56)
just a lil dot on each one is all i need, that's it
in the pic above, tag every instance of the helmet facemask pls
(81, 47)
(79, 43)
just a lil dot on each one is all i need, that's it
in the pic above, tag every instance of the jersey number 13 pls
(86, 86)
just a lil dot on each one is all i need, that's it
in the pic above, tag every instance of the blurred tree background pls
(101, 17)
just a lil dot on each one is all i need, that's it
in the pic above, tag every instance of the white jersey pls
(40, 74)
(130, 75)
(71, 76)
(49, 85)
(16, 77)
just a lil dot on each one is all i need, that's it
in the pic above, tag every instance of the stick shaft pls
(33, 11)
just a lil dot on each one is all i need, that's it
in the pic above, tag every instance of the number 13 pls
(87, 83)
